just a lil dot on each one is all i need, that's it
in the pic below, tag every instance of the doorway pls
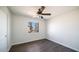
(3, 31)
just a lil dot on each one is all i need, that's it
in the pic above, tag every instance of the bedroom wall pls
(64, 29)
(19, 31)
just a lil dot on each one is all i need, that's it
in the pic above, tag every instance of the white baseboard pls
(9, 48)
(64, 45)
(25, 41)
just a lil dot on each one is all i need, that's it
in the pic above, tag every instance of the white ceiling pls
(32, 10)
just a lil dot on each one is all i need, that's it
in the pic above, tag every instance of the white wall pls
(7, 12)
(64, 29)
(19, 31)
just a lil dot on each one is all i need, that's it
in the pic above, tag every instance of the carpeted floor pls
(40, 46)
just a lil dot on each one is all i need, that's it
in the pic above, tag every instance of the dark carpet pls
(40, 46)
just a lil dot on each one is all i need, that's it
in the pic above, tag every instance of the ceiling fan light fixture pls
(41, 17)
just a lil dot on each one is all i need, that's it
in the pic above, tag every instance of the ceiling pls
(32, 10)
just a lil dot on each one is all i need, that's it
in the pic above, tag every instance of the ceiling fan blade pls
(45, 13)
(40, 10)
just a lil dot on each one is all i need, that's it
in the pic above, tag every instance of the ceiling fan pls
(40, 11)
